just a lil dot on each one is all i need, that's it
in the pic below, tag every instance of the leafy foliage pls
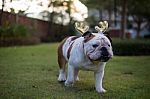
(13, 31)
(11, 35)
(131, 47)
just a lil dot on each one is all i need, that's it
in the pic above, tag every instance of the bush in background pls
(131, 47)
(11, 35)
(13, 31)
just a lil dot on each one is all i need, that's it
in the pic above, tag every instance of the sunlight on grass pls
(31, 72)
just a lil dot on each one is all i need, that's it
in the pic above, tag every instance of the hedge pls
(11, 35)
(19, 41)
(131, 47)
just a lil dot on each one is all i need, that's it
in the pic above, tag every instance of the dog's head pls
(97, 46)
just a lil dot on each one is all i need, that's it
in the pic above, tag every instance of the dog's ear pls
(109, 38)
(88, 33)
(87, 36)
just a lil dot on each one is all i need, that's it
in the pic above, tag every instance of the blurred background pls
(24, 22)
(30, 72)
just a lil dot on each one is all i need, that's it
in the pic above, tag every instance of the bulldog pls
(90, 52)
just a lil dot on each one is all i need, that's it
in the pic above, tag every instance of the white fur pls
(78, 60)
(62, 75)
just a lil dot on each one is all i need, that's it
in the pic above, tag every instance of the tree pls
(1, 14)
(60, 9)
(139, 10)
(100, 5)
(123, 18)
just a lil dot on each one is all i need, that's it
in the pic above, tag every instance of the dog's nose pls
(104, 52)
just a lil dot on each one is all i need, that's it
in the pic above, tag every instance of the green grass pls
(30, 72)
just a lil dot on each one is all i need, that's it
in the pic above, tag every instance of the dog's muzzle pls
(105, 56)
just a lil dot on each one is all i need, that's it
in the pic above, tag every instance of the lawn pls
(30, 72)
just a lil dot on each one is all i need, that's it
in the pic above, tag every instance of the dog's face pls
(97, 47)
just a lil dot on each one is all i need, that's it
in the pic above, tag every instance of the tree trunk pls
(123, 19)
(69, 11)
(71, 19)
(50, 27)
(115, 13)
(109, 16)
(50, 22)
(1, 15)
(139, 21)
(100, 15)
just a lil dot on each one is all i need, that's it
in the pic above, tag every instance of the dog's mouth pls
(103, 59)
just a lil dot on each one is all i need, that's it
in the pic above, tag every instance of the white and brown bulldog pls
(91, 51)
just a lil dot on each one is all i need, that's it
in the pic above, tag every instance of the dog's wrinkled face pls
(97, 47)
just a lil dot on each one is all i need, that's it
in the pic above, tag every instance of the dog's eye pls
(95, 45)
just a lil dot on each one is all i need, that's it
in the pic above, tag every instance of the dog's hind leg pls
(61, 62)
(62, 74)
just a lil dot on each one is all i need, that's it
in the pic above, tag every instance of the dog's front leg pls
(70, 77)
(98, 79)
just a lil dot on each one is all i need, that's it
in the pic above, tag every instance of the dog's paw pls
(101, 90)
(77, 78)
(62, 78)
(68, 83)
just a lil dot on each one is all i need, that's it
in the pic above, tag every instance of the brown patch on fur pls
(87, 38)
(61, 59)
(74, 38)
(69, 50)
(109, 38)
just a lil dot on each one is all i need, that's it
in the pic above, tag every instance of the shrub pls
(131, 47)
(13, 31)
(19, 41)
(11, 35)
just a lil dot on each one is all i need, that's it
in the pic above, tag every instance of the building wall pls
(38, 27)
